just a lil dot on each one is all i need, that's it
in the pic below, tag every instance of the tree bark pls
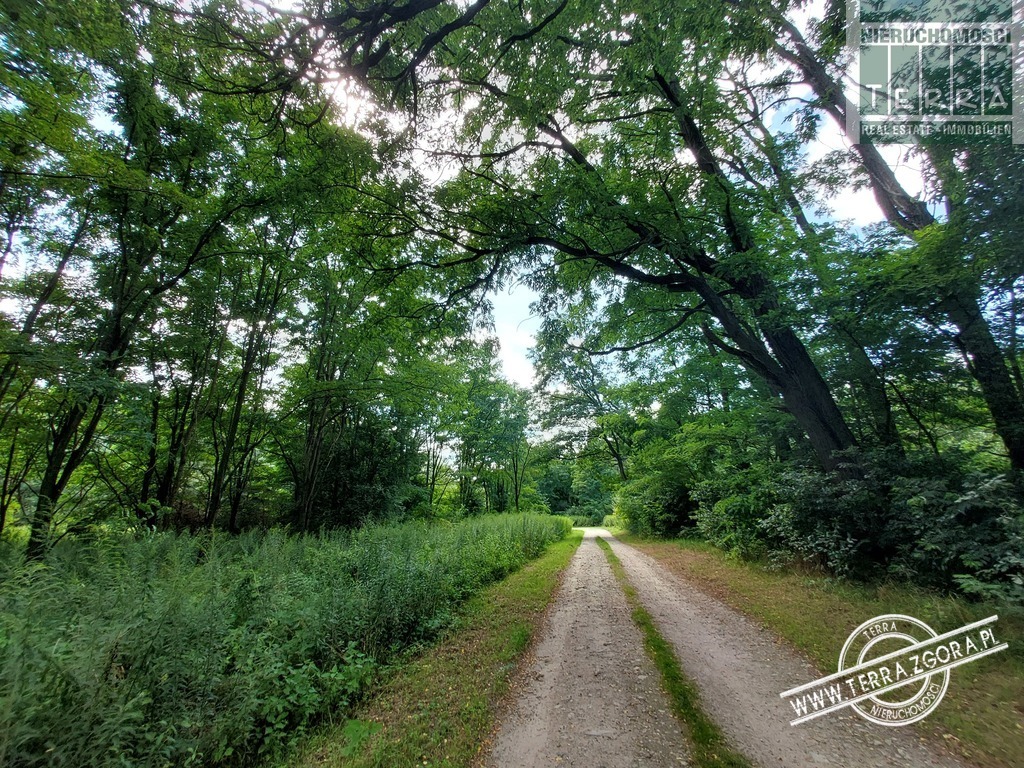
(64, 456)
(988, 366)
(960, 305)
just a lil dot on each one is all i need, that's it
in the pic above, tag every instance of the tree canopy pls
(248, 250)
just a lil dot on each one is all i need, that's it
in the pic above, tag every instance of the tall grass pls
(214, 650)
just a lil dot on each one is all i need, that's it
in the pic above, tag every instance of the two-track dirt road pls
(592, 698)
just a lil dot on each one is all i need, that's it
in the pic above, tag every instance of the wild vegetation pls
(441, 707)
(246, 261)
(247, 251)
(213, 649)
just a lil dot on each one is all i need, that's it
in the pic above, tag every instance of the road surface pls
(592, 698)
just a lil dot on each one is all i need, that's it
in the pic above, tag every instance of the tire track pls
(591, 697)
(740, 670)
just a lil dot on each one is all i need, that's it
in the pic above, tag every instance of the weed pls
(220, 650)
(710, 749)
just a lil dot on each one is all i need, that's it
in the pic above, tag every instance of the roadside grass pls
(708, 744)
(439, 708)
(981, 716)
(165, 649)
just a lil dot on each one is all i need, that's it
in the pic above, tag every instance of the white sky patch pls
(856, 205)
(802, 17)
(859, 205)
(515, 328)
(354, 106)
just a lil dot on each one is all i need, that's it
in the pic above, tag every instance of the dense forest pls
(248, 255)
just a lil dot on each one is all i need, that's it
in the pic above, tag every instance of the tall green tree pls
(962, 259)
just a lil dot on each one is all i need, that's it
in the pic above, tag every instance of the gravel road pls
(592, 698)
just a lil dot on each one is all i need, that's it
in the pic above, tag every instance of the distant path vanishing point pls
(592, 698)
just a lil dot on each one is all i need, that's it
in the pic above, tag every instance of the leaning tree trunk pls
(988, 366)
(771, 350)
(809, 399)
(974, 335)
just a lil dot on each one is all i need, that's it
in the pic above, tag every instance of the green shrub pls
(919, 519)
(613, 521)
(655, 505)
(732, 510)
(659, 498)
(583, 517)
(214, 650)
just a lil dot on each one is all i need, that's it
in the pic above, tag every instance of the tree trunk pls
(784, 364)
(62, 459)
(789, 366)
(988, 366)
(865, 371)
(809, 400)
(988, 363)
(144, 512)
(268, 294)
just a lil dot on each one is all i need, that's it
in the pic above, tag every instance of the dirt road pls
(592, 698)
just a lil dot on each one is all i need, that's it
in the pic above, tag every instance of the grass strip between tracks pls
(710, 749)
(981, 717)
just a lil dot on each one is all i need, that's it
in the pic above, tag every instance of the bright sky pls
(516, 329)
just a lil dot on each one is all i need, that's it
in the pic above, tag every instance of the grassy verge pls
(710, 749)
(982, 715)
(221, 650)
(439, 708)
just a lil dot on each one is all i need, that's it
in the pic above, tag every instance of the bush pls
(918, 520)
(733, 508)
(613, 521)
(659, 498)
(926, 522)
(586, 516)
(655, 505)
(216, 650)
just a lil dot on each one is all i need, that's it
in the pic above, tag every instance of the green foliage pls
(657, 500)
(675, 481)
(733, 506)
(581, 488)
(654, 505)
(555, 486)
(613, 521)
(951, 523)
(588, 515)
(925, 522)
(214, 650)
(355, 733)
